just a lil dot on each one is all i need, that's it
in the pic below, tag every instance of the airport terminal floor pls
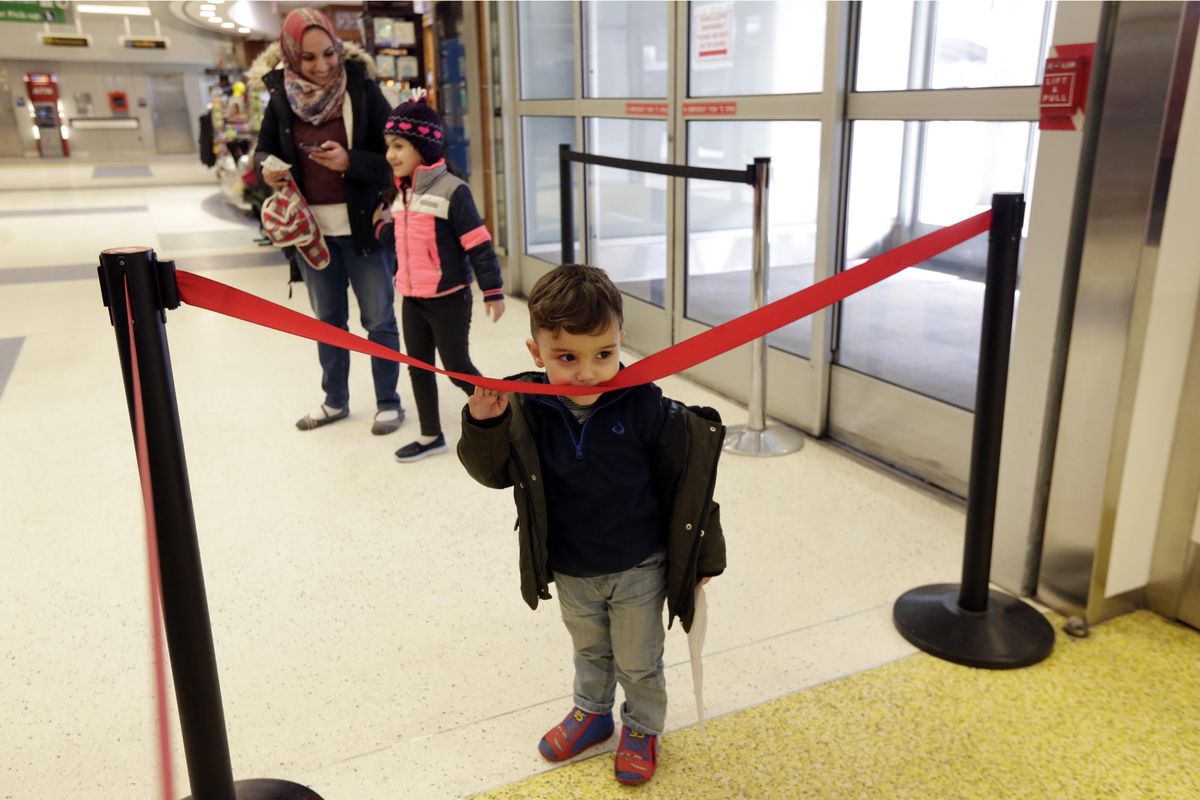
(369, 629)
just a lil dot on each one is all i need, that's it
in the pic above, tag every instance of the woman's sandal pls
(310, 422)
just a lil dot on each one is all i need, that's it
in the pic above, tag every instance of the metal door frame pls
(924, 436)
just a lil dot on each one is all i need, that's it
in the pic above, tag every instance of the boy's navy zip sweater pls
(509, 450)
(604, 513)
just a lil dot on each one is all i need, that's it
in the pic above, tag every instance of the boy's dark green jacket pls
(503, 452)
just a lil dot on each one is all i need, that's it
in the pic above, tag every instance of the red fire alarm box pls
(118, 102)
(1065, 87)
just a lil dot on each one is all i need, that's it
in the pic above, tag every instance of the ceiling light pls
(226, 24)
(243, 30)
(215, 20)
(128, 11)
(207, 13)
(207, 7)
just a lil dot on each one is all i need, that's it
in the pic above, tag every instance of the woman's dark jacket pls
(503, 452)
(368, 174)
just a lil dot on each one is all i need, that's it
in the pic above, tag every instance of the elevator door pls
(168, 107)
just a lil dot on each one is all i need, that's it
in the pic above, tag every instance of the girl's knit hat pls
(417, 122)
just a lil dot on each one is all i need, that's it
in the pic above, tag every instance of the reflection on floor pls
(369, 629)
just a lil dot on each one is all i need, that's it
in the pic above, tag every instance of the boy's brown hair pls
(575, 298)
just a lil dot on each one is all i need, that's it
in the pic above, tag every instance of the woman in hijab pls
(325, 119)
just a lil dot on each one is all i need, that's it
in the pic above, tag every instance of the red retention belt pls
(205, 293)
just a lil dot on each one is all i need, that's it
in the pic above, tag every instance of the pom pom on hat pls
(416, 121)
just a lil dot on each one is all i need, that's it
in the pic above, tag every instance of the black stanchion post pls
(968, 623)
(566, 205)
(152, 290)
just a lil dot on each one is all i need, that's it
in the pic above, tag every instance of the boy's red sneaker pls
(578, 731)
(637, 756)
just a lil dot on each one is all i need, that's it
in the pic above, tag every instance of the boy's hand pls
(704, 581)
(487, 404)
(494, 309)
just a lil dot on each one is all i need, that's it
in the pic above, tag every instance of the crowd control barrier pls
(138, 289)
(967, 623)
(758, 437)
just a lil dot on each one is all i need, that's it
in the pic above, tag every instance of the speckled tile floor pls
(1114, 715)
(369, 631)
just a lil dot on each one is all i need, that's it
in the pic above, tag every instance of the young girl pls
(431, 221)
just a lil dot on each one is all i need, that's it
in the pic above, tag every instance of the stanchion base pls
(1010, 634)
(271, 789)
(776, 440)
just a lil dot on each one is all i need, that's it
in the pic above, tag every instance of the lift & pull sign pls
(1065, 87)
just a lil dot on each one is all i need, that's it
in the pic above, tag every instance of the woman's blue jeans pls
(370, 276)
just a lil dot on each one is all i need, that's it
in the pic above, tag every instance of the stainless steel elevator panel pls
(168, 107)
(1130, 182)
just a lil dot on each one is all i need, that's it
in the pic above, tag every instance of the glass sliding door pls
(906, 351)
(884, 120)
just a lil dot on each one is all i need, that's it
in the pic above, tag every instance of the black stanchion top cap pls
(121, 251)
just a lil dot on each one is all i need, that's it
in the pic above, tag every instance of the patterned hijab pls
(314, 104)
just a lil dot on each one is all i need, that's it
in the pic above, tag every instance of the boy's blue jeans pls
(616, 626)
(370, 277)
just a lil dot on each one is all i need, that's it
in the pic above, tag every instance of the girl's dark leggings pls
(444, 324)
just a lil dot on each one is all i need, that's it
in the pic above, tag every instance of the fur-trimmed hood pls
(272, 58)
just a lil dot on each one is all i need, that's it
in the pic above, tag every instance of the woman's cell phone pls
(311, 148)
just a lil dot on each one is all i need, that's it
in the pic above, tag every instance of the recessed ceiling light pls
(129, 11)
(215, 20)
(226, 24)
(207, 12)
(207, 7)
(243, 30)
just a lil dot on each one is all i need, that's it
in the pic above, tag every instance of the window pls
(625, 46)
(751, 48)
(541, 137)
(547, 57)
(960, 44)
(919, 329)
(720, 234)
(627, 211)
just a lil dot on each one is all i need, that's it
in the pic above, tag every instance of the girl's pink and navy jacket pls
(439, 239)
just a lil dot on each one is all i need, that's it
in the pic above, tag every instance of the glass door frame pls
(923, 436)
(797, 387)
